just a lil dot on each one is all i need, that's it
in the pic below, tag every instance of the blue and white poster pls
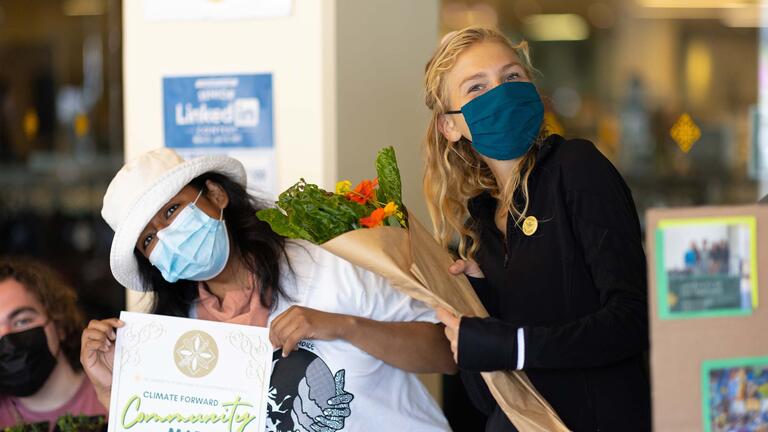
(224, 114)
(218, 111)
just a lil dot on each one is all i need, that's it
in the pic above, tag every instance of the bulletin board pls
(708, 314)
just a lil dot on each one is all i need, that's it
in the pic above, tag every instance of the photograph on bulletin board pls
(735, 394)
(706, 267)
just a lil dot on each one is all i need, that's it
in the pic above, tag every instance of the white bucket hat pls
(140, 189)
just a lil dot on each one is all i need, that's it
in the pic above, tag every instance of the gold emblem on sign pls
(671, 299)
(685, 132)
(530, 225)
(196, 354)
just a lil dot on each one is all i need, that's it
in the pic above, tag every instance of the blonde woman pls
(549, 237)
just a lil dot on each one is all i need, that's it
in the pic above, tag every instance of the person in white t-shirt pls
(348, 344)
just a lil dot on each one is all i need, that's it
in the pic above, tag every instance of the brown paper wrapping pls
(414, 263)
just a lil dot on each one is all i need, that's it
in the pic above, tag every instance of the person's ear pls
(216, 194)
(447, 126)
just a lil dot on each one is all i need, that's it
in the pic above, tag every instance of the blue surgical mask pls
(505, 121)
(194, 246)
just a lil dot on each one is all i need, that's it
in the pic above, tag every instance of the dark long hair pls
(259, 247)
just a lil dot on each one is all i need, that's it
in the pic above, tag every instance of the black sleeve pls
(487, 344)
(605, 224)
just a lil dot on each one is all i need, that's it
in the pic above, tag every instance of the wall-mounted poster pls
(228, 114)
(706, 267)
(735, 394)
(706, 262)
(218, 111)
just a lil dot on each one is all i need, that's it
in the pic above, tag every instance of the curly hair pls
(58, 299)
(455, 172)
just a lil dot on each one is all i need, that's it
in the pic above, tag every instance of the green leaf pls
(79, 423)
(279, 223)
(390, 187)
(308, 212)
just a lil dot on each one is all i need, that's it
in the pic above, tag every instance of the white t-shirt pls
(384, 398)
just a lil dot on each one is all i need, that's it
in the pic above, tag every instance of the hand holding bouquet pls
(368, 226)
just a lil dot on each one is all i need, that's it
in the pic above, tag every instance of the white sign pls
(186, 10)
(260, 167)
(184, 374)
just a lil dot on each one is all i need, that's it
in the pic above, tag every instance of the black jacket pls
(577, 289)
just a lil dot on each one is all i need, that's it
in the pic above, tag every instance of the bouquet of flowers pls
(307, 212)
(368, 226)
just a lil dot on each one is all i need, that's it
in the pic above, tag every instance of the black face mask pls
(25, 362)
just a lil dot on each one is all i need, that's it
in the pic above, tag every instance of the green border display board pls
(680, 348)
(662, 282)
(709, 365)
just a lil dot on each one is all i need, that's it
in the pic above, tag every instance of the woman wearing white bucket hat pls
(187, 231)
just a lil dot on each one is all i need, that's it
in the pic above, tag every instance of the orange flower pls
(375, 219)
(378, 216)
(364, 192)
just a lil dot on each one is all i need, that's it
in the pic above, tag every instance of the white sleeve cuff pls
(520, 348)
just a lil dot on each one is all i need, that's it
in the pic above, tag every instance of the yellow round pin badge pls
(530, 225)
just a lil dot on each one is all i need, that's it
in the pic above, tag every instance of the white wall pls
(382, 47)
(293, 49)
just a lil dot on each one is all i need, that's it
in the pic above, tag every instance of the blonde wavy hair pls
(455, 172)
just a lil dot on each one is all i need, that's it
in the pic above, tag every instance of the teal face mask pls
(193, 247)
(505, 121)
